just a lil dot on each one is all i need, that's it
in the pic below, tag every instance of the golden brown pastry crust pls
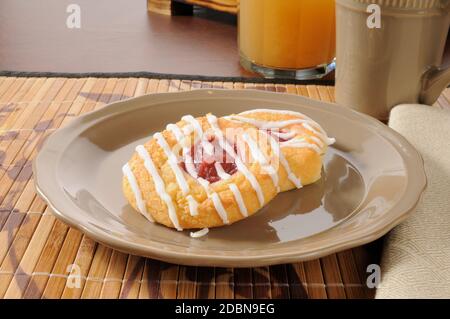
(304, 162)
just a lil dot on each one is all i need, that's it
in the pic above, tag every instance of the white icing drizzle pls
(254, 149)
(179, 136)
(220, 172)
(189, 163)
(240, 166)
(303, 119)
(276, 149)
(306, 122)
(200, 233)
(159, 185)
(282, 135)
(176, 131)
(262, 160)
(187, 129)
(287, 112)
(205, 184)
(320, 132)
(195, 124)
(219, 208)
(252, 179)
(208, 148)
(301, 143)
(267, 124)
(317, 140)
(193, 205)
(240, 201)
(136, 191)
(230, 118)
(173, 162)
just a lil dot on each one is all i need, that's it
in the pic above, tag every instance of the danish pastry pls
(208, 172)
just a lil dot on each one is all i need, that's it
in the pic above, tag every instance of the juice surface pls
(287, 34)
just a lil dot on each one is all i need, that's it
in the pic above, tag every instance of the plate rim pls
(408, 202)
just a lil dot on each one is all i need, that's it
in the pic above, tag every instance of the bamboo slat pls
(150, 279)
(13, 90)
(297, 281)
(97, 272)
(353, 286)
(314, 279)
(5, 86)
(37, 251)
(26, 248)
(54, 285)
(83, 261)
(279, 282)
(243, 283)
(206, 283)
(44, 264)
(224, 283)
(132, 279)
(114, 275)
(261, 283)
(332, 277)
(187, 278)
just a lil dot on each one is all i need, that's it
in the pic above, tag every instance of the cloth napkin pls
(416, 256)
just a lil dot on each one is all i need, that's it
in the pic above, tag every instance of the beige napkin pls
(416, 256)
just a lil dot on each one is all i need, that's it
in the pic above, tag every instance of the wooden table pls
(36, 249)
(35, 38)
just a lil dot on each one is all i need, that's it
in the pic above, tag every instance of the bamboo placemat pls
(36, 249)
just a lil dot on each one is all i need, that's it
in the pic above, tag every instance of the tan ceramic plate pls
(372, 179)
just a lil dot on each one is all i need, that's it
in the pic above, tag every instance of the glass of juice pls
(293, 39)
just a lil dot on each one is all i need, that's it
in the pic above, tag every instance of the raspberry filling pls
(206, 154)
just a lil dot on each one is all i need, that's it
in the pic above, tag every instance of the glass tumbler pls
(291, 39)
